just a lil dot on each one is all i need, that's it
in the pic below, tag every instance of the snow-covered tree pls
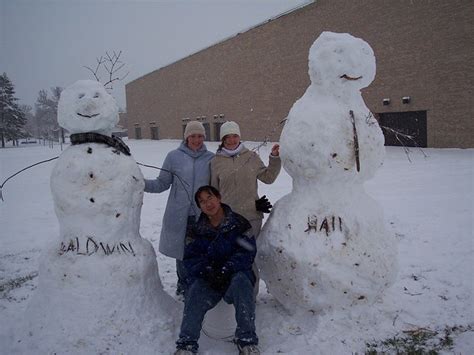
(12, 118)
(31, 127)
(46, 113)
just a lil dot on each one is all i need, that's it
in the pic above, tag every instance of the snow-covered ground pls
(428, 205)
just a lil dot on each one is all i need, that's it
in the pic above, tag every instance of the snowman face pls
(85, 106)
(339, 60)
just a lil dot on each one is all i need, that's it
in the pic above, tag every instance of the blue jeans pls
(200, 298)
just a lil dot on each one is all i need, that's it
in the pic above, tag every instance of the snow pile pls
(99, 287)
(325, 245)
(428, 204)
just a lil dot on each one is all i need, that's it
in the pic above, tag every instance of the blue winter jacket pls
(185, 171)
(231, 246)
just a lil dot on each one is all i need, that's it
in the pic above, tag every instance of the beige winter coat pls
(236, 179)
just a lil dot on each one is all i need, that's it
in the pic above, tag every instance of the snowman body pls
(99, 287)
(325, 245)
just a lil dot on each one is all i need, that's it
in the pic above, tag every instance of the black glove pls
(263, 205)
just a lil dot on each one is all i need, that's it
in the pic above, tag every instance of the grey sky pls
(46, 43)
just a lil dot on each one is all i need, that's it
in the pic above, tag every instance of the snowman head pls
(339, 60)
(86, 106)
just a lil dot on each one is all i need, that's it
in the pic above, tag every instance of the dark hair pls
(221, 145)
(219, 148)
(206, 188)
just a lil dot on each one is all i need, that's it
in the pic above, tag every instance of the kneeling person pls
(218, 258)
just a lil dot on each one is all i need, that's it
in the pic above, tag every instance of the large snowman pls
(325, 245)
(99, 289)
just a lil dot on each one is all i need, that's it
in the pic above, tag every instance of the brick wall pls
(423, 50)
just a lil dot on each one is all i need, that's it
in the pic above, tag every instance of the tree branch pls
(111, 64)
(398, 135)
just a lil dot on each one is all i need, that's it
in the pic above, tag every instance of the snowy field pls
(428, 206)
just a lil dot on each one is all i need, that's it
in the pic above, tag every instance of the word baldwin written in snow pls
(91, 246)
(326, 224)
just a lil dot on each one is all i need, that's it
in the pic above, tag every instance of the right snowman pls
(324, 245)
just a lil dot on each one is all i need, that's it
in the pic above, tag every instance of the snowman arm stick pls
(41, 162)
(399, 134)
(266, 139)
(356, 140)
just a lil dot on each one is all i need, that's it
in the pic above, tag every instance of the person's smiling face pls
(231, 141)
(195, 141)
(210, 204)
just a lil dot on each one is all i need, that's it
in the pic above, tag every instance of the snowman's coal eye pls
(96, 95)
(81, 95)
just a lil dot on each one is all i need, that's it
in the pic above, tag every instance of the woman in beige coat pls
(235, 171)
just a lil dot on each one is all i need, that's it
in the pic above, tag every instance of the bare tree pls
(111, 65)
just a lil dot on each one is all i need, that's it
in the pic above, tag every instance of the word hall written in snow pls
(328, 224)
(90, 246)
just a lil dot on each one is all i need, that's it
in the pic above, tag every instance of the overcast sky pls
(47, 43)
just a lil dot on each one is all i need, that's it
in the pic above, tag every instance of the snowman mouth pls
(347, 77)
(87, 116)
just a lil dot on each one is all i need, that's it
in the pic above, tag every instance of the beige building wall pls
(424, 50)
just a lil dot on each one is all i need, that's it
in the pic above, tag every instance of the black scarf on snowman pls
(92, 137)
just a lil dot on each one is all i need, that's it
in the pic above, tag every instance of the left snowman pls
(99, 288)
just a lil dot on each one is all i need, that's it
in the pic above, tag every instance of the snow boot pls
(250, 349)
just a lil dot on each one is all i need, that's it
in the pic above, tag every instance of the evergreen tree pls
(31, 126)
(46, 112)
(12, 118)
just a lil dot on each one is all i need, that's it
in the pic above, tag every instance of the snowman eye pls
(96, 95)
(81, 95)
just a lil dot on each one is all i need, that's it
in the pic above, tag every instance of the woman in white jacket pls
(185, 170)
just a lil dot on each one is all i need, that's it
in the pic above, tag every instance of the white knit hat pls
(229, 127)
(194, 127)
